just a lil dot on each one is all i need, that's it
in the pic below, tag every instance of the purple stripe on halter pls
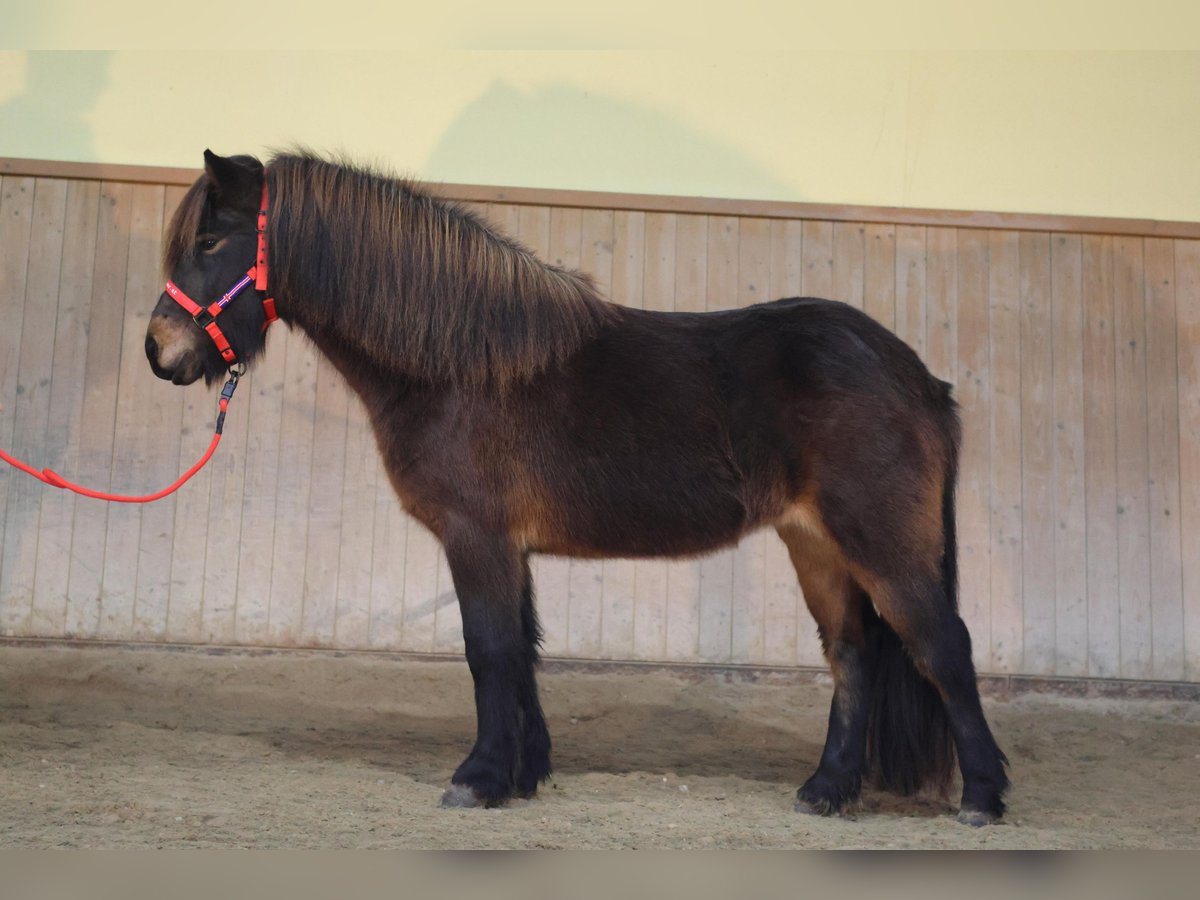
(234, 291)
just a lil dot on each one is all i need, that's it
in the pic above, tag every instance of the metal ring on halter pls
(237, 370)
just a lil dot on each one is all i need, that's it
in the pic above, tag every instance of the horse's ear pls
(236, 180)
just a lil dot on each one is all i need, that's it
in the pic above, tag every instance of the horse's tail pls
(909, 746)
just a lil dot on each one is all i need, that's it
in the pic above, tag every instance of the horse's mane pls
(420, 284)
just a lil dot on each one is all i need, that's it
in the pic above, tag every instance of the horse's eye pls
(206, 243)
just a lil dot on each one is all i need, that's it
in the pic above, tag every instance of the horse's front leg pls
(511, 755)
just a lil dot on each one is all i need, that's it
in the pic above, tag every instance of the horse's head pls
(211, 246)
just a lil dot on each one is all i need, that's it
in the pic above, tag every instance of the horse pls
(517, 412)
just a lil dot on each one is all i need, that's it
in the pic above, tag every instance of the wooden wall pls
(1073, 352)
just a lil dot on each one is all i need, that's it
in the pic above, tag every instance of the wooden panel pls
(142, 416)
(1162, 432)
(1078, 493)
(293, 486)
(249, 614)
(30, 399)
(156, 408)
(910, 286)
(1133, 511)
(1187, 339)
(106, 319)
(1037, 456)
(16, 217)
(683, 576)
(1100, 470)
(879, 277)
(185, 591)
(716, 569)
(1004, 328)
(789, 632)
(491, 194)
(973, 392)
(748, 594)
(848, 263)
(51, 578)
(941, 303)
(652, 589)
(323, 543)
(1070, 489)
(816, 251)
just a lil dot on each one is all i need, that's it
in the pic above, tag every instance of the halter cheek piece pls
(206, 317)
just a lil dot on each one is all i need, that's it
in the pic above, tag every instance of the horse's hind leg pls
(839, 606)
(937, 641)
(511, 755)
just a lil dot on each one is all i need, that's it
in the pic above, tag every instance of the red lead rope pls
(206, 319)
(52, 478)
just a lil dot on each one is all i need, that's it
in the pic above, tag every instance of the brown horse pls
(519, 412)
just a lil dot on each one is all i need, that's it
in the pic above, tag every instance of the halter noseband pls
(206, 317)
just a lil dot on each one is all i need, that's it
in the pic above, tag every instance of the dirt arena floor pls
(120, 747)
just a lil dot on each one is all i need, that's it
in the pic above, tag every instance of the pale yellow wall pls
(1084, 132)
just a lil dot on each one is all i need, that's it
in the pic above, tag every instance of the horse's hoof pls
(459, 796)
(813, 808)
(976, 818)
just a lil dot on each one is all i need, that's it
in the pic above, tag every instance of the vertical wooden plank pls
(620, 589)
(447, 617)
(612, 245)
(849, 264)
(52, 569)
(505, 217)
(1070, 489)
(292, 494)
(1187, 339)
(716, 569)
(389, 562)
(31, 404)
(352, 626)
(251, 607)
(879, 263)
(605, 586)
(1005, 363)
(576, 582)
(786, 624)
(189, 549)
(421, 598)
(816, 251)
(1162, 420)
(16, 217)
(941, 302)
(143, 416)
(683, 576)
(227, 496)
(159, 407)
(1100, 464)
(748, 623)
(1133, 509)
(323, 543)
(1037, 456)
(106, 317)
(910, 286)
(652, 591)
(974, 394)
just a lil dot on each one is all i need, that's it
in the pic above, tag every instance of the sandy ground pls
(103, 747)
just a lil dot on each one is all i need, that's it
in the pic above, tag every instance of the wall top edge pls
(769, 209)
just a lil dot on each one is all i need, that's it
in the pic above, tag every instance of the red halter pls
(206, 317)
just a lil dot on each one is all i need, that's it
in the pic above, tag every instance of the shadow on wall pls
(50, 118)
(547, 137)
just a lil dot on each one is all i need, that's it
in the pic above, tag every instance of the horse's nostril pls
(151, 349)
